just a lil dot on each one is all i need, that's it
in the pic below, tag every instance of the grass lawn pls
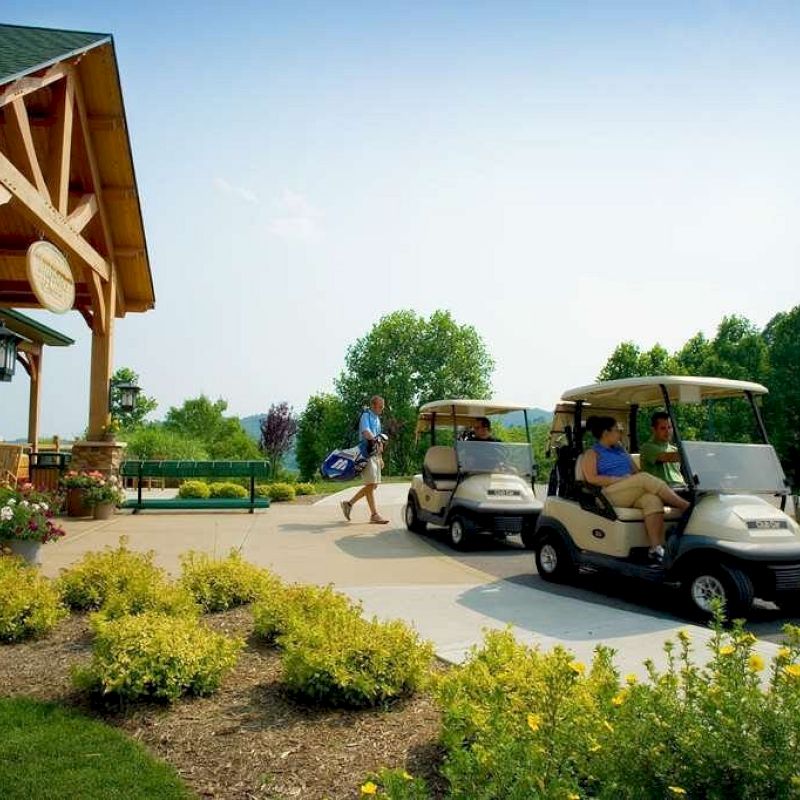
(49, 752)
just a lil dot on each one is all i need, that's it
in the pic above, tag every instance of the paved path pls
(450, 598)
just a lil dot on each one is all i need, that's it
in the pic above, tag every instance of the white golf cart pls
(473, 486)
(734, 542)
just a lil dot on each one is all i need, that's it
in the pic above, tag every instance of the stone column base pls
(105, 457)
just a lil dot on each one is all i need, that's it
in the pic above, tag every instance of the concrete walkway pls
(394, 573)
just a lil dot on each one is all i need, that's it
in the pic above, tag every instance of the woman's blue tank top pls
(612, 461)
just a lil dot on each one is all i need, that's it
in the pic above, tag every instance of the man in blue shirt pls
(371, 448)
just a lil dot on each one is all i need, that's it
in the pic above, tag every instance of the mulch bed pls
(249, 740)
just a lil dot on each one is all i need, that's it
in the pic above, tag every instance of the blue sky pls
(563, 176)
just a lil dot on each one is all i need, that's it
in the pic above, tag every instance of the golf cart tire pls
(789, 604)
(413, 522)
(702, 582)
(554, 562)
(459, 533)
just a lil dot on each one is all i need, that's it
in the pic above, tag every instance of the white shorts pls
(372, 472)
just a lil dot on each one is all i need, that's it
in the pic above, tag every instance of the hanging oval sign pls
(50, 277)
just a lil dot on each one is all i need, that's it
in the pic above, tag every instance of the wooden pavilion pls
(67, 178)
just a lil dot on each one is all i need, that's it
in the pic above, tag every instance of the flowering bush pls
(395, 784)
(519, 723)
(105, 490)
(226, 489)
(194, 489)
(27, 514)
(80, 480)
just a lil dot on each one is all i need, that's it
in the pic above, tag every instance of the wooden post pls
(102, 360)
(34, 403)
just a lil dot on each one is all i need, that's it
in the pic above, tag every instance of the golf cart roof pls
(647, 391)
(462, 412)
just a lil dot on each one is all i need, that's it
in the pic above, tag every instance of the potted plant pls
(111, 430)
(76, 485)
(26, 522)
(104, 495)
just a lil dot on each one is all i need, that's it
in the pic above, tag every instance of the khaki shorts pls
(372, 472)
(637, 491)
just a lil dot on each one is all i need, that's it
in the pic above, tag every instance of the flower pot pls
(26, 548)
(76, 503)
(104, 511)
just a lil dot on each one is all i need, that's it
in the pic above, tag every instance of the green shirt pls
(668, 471)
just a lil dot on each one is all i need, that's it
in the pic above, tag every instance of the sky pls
(561, 175)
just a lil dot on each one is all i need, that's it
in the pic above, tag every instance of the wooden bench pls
(142, 470)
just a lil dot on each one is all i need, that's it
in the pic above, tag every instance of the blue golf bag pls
(343, 465)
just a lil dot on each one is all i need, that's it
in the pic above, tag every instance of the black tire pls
(554, 562)
(459, 534)
(528, 535)
(413, 522)
(702, 583)
(789, 604)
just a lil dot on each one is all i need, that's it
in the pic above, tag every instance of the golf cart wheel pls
(413, 522)
(789, 604)
(459, 533)
(553, 560)
(702, 585)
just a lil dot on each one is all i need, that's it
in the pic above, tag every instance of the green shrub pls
(194, 490)
(228, 490)
(279, 492)
(304, 488)
(395, 784)
(337, 658)
(29, 603)
(262, 490)
(221, 583)
(89, 583)
(156, 656)
(274, 613)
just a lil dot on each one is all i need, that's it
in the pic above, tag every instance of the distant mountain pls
(535, 416)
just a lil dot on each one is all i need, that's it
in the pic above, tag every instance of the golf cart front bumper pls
(500, 519)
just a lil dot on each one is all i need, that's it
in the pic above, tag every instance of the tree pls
(278, 429)
(143, 406)
(323, 426)
(203, 420)
(410, 360)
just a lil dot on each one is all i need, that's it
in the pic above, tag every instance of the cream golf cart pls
(734, 543)
(472, 486)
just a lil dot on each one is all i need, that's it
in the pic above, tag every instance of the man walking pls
(371, 448)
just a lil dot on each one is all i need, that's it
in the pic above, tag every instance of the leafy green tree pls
(410, 360)
(203, 420)
(782, 404)
(323, 426)
(155, 442)
(143, 406)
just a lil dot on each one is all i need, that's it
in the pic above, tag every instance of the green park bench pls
(196, 469)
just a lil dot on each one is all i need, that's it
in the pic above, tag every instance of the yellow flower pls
(677, 791)
(608, 726)
(619, 699)
(369, 788)
(684, 636)
(577, 667)
(595, 746)
(755, 662)
(793, 670)
(784, 653)
(630, 679)
(795, 780)
(573, 796)
(727, 650)
(533, 722)
(406, 776)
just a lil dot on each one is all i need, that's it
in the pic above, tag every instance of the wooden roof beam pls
(44, 217)
(20, 144)
(84, 213)
(61, 144)
(26, 85)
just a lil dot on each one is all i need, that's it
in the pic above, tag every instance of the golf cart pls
(472, 486)
(734, 542)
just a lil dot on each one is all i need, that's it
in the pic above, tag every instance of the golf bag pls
(343, 465)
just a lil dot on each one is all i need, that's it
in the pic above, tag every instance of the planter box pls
(26, 548)
(76, 503)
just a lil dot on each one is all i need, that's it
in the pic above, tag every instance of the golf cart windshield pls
(735, 468)
(512, 457)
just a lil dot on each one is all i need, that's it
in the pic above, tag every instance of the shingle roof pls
(24, 50)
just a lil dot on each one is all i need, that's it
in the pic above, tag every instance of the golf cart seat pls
(440, 469)
(597, 499)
